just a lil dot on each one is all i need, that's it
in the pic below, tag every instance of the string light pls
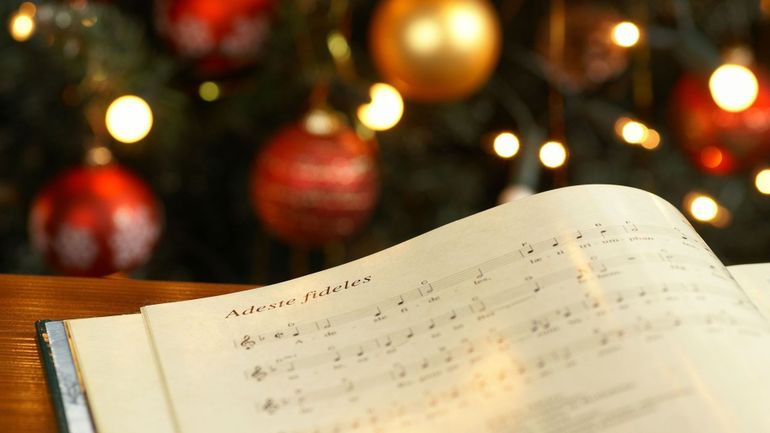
(762, 181)
(22, 24)
(506, 145)
(734, 88)
(28, 8)
(385, 109)
(711, 157)
(652, 141)
(553, 154)
(703, 208)
(209, 91)
(626, 34)
(129, 119)
(634, 132)
(338, 46)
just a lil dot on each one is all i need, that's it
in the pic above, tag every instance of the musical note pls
(426, 288)
(400, 300)
(478, 305)
(630, 227)
(527, 248)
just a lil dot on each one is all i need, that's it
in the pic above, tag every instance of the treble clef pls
(270, 406)
(247, 343)
(259, 374)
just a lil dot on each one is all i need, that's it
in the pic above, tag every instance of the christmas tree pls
(255, 140)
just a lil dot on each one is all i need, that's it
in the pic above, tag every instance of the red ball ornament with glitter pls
(221, 36)
(94, 221)
(719, 141)
(315, 182)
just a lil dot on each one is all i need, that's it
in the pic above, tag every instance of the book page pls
(121, 380)
(755, 281)
(585, 309)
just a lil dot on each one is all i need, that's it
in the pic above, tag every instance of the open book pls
(585, 309)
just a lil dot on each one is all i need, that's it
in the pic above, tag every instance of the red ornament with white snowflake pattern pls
(220, 36)
(94, 221)
(315, 182)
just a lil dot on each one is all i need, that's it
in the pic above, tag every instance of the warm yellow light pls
(22, 27)
(733, 87)
(652, 141)
(423, 35)
(465, 25)
(506, 145)
(28, 8)
(129, 119)
(704, 208)
(634, 132)
(625, 34)
(338, 46)
(553, 154)
(762, 181)
(209, 91)
(99, 155)
(385, 109)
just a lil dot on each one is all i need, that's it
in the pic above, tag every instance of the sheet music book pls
(585, 309)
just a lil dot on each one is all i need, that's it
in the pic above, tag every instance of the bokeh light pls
(734, 88)
(506, 145)
(703, 208)
(385, 109)
(21, 26)
(129, 119)
(626, 34)
(209, 91)
(762, 181)
(553, 154)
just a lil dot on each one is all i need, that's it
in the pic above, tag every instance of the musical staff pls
(596, 266)
(514, 365)
(549, 320)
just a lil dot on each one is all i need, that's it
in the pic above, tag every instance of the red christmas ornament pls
(94, 221)
(222, 35)
(310, 188)
(718, 141)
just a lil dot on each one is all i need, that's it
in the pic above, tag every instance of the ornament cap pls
(322, 121)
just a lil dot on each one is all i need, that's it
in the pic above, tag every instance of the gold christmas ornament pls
(435, 50)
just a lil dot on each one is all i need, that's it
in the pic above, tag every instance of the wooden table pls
(25, 405)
